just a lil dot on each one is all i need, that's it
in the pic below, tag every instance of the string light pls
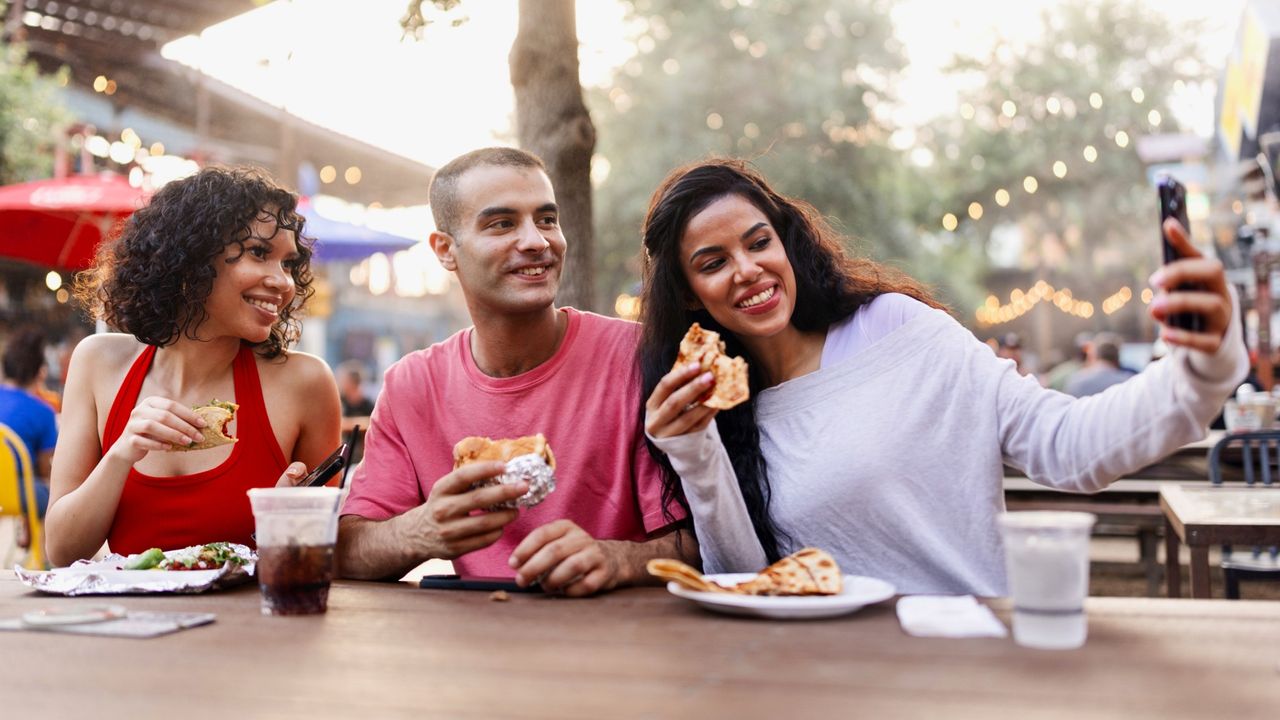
(993, 312)
(1002, 197)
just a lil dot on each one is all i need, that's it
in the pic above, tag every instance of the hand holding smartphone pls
(327, 468)
(1173, 204)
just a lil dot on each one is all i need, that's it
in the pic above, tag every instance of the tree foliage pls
(31, 117)
(801, 87)
(1098, 79)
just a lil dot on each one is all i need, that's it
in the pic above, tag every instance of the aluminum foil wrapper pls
(533, 470)
(108, 576)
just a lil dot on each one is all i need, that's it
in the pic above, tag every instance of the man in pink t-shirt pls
(525, 367)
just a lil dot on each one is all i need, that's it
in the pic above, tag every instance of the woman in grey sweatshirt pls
(878, 426)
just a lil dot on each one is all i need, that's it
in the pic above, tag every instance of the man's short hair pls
(353, 369)
(1106, 346)
(443, 196)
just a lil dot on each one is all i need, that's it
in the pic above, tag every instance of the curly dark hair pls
(830, 286)
(153, 279)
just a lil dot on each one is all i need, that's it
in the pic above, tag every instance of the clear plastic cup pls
(1047, 558)
(296, 529)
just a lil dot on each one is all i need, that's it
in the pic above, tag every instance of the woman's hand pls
(673, 407)
(292, 474)
(1211, 300)
(157, 424)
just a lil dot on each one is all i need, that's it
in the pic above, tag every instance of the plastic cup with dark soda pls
(296, 529)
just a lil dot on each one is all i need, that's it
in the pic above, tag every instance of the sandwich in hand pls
(479, 449)
(707, 349)
(528, 458)
(216, 416)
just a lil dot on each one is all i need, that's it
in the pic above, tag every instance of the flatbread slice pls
(476, 449)
(809, 571)
(827, 578)
(682, 574)
(707, 349)
(216, 416)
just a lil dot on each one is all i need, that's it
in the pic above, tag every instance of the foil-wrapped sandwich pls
(705, 348)
(528, 458)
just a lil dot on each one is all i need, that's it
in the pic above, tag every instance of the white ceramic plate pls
(858, 592)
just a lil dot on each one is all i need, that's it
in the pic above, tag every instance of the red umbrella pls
(58, 223)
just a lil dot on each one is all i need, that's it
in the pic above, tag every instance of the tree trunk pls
(552, 122)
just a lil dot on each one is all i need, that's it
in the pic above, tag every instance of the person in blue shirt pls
(31, 417)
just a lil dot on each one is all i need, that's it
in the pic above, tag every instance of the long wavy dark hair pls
(153, 279)
(830, 286)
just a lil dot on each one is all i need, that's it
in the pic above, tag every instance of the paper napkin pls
(948, 616)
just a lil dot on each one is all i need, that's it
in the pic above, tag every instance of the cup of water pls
(1047, 559)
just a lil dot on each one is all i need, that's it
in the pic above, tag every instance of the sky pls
(449, 92)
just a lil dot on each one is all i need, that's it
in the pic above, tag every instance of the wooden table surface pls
(1203, 516)
(391, 650)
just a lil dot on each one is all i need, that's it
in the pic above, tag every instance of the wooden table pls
(390, 650)
(1203, 515)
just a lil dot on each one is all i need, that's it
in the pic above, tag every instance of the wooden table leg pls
(1147, 551)
(1172, 567)
(1199, 571)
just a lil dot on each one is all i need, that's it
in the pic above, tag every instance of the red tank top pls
(210, 506)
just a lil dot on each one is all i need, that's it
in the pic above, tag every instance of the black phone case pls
(455, 582)
(1173, 204)
(328, 467)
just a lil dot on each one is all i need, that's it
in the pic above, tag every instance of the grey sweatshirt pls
(892, 458)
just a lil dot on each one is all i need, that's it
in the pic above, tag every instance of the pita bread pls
(478, 449)
(216, 416)
(805, 572)
(707, 349)
(683, 575)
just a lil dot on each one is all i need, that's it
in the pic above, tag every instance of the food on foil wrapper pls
(202, 567)
(528, 458)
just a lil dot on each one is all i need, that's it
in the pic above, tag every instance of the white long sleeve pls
(892, 459)
(726, 538)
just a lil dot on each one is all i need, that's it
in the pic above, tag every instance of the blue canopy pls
(338, 241)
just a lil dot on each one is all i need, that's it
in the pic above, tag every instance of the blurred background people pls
(31, 417)
(1010, 346)
(1101, 367)
(351, 380)
(1061, 374)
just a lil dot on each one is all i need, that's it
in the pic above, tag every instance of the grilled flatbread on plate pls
(216, 416)
(805, 572)
(705, 348)
(477, 449)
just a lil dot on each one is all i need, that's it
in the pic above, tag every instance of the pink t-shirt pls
(585, 400)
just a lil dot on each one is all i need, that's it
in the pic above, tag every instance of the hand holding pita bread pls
(704, 381)
(158, 423)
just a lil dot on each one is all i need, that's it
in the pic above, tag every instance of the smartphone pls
(328, 467)
(1173, 204)
(457, 582)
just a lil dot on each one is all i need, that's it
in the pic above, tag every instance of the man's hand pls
(563, 558)
(446, 523)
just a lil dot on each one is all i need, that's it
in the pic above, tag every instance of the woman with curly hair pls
(205, 284)
(877, 425)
